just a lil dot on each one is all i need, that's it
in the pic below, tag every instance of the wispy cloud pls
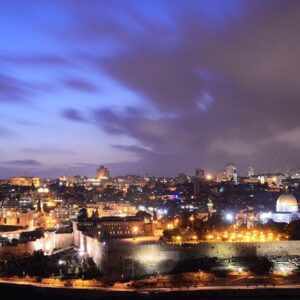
(23, 162)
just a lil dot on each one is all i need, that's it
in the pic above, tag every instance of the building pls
(199, 176)
(230, 171)
(102, 173)
(25, 181)
(272, 180)
(235, 177)
(210, 206)
(111, 209)
(115, 227)
(286, 210)
(123, 227)
(16, 217)
(250, 171)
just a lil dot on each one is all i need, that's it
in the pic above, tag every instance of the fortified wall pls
(131, 258)
(139, 260)
(49, 242)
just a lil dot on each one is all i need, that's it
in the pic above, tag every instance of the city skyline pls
(161, 87)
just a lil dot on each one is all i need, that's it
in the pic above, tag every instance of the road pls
(149, 290)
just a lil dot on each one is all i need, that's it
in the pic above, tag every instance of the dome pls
(286, 203)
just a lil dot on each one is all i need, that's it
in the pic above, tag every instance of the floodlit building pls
(16, 217)
(199, 176)
(111, 209)
(102, 173)
(230, 171)
(250, 171)
(25, 181)
(286, 210)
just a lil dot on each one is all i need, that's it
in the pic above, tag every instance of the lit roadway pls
(155, 289)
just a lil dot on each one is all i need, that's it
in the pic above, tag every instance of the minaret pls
(210, 206)
(235, 177)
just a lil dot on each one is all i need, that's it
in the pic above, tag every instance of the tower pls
(230, 169)
(235, 177)
(199, 175)
(250, 171)
(210, 206)
(102, 173)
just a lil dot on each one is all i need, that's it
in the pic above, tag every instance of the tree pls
(143, 215)
(215, 221)
(293, 230)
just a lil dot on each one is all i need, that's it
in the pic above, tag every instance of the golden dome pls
(287, 203)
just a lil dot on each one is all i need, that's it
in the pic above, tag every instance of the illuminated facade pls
(16, 217)
(250, 172)
(102, 173)
(111, 209)
(121, 227)
(286, 210)
(25, 181)
(230, 171)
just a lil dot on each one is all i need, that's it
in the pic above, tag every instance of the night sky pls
(148, 86)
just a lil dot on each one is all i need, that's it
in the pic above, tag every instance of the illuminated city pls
(149, 149)
(127, 230)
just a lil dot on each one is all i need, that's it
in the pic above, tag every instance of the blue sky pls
(147, 86)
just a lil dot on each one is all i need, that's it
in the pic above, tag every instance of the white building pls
(230, 171)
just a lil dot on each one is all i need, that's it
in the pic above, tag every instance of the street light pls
(208, 177)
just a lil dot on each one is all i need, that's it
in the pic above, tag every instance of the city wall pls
(116, 257)
(49, 242)
(140, 260)
(18, 250)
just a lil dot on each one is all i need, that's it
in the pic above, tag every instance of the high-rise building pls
(102, 173)
(230, 171)
(250, 171)
(235, 177)
(210, 206)
(199, 175)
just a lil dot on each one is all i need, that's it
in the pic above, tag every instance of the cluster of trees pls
(200, 228)
(190, 226)
(292, 229)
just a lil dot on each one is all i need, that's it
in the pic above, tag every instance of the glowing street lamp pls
(209, 177)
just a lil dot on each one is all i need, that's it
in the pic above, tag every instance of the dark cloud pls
(12, 89)
(15, 90)
(23, 162)
(222, 93)
(73, 115)
(217, 80)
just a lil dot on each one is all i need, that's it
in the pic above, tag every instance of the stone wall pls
(98, 251)
(16, 250)
(76, 234)
(139, 260)
(63, 240)
(117, 257)
(49, 242)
